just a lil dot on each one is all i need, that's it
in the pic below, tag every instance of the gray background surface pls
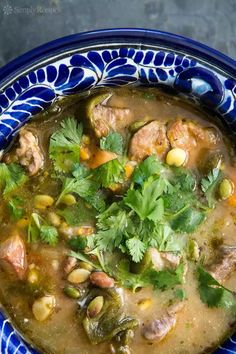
(26, 24)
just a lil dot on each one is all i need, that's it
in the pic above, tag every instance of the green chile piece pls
(110, 321)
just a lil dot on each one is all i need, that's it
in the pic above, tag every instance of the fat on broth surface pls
(199, 328)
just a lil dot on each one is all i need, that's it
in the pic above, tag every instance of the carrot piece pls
(232, 200)
(129, 169)
(101, 157)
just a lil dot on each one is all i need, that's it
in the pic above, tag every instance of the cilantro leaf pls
(49, 235)
(39, 230)
(213, 293)
(145, 202)
(64, 148)
(84, 258)
(80, 171)
(164, 279)
(183, 179)
(181, 192)
(96, 201)
(15, 208)
(208, 185)
(112, 228)
(34, 228)
(150, 166)
(180, 294)
(83, 187)
(77, 214)
(163, 238)
(77, 243)
(113, 142)
(136, 248)
(109, 173)
(187, 220)
(12, 176)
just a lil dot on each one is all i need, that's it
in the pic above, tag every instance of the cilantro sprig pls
(164, 279)
(113, 142)
(15, 206)
(64, 148)
(12, 176)
(209, 184)
(39, 230)
(146, 216)
(109, 173)
(214, 294)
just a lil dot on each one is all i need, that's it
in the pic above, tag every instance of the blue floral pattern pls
(38, 89)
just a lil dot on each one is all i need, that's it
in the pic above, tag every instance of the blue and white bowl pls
(111, 58)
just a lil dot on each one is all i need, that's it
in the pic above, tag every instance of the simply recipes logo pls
(9, 9)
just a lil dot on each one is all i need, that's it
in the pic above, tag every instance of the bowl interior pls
(115, 58)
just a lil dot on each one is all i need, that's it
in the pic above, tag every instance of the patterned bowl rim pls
(139, 36)
(61, 48)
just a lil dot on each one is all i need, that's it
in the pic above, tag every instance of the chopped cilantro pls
(146, 203)
(12, 176)
(208, 185)
(180, 294)
(80, 171)
(64, 148)
(136, 248)
(49, 235)
(109, 173)
(84, 258)
(15, 207)
(150, 166)
(113, 142)
(187, 220)
(83, 187)
(213, 293)
(77, 214)
(164, 279)
(111, 229)
(77, 243)
(151, 213)
(38, 230)
(34, 228)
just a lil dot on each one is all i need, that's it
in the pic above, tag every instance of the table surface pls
(26, 24)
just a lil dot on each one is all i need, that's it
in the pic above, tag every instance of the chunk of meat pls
(163, 260)
(187, 135)
(225, 264)
(29, 153)
(104, 118)
(13, 256)
(69, 265)
(171, 259)
(159, 328)
(150, 139)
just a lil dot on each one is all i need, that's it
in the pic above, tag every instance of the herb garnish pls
(113, 142)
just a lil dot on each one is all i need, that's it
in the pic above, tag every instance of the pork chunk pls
(163, 260)
(69, 264)
(150, 139)
(225, 264)
(105, 119)
(29, 153)
(159, 328)
(187, 135)
(13, 256)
